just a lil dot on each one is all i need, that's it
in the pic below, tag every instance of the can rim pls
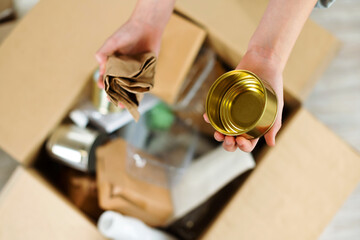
(212, 89)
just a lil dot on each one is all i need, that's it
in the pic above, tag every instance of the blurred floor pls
(335, 100)
(7, 166)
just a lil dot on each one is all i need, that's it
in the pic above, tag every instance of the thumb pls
(270, 136)
(107, 49)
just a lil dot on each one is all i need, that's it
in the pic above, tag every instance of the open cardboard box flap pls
(31, 209)
(231, 23)
(296, 188)
(48, 59)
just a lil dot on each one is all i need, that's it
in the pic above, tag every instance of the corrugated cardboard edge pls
(198, 35)
(190, 60)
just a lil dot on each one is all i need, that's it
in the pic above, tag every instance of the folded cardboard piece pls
(121, 192)
(127, 78)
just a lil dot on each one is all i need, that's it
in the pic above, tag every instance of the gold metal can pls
(239, 103)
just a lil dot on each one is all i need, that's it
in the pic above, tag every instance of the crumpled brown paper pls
(130, 196)
(127, 78)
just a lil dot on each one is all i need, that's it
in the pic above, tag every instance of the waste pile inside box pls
(144, 190)
(46, 56)
(138, 183)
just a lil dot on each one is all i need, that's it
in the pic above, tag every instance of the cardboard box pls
(5, 29)
(296, 188)
(293, 193)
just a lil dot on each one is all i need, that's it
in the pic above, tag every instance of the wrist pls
(265, 64)
(153, 15)
(147, 27)
(265, 56)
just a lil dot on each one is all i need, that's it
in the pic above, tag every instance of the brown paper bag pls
(130, 196)
(127, 78)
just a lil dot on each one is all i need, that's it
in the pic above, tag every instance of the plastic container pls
(159, 154)
(190, 104)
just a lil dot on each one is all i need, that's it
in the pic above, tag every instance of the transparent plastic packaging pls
(159, 156)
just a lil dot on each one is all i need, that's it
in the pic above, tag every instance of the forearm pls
(154, 14)
(279, 28)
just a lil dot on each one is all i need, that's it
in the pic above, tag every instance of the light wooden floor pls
(336, 101)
